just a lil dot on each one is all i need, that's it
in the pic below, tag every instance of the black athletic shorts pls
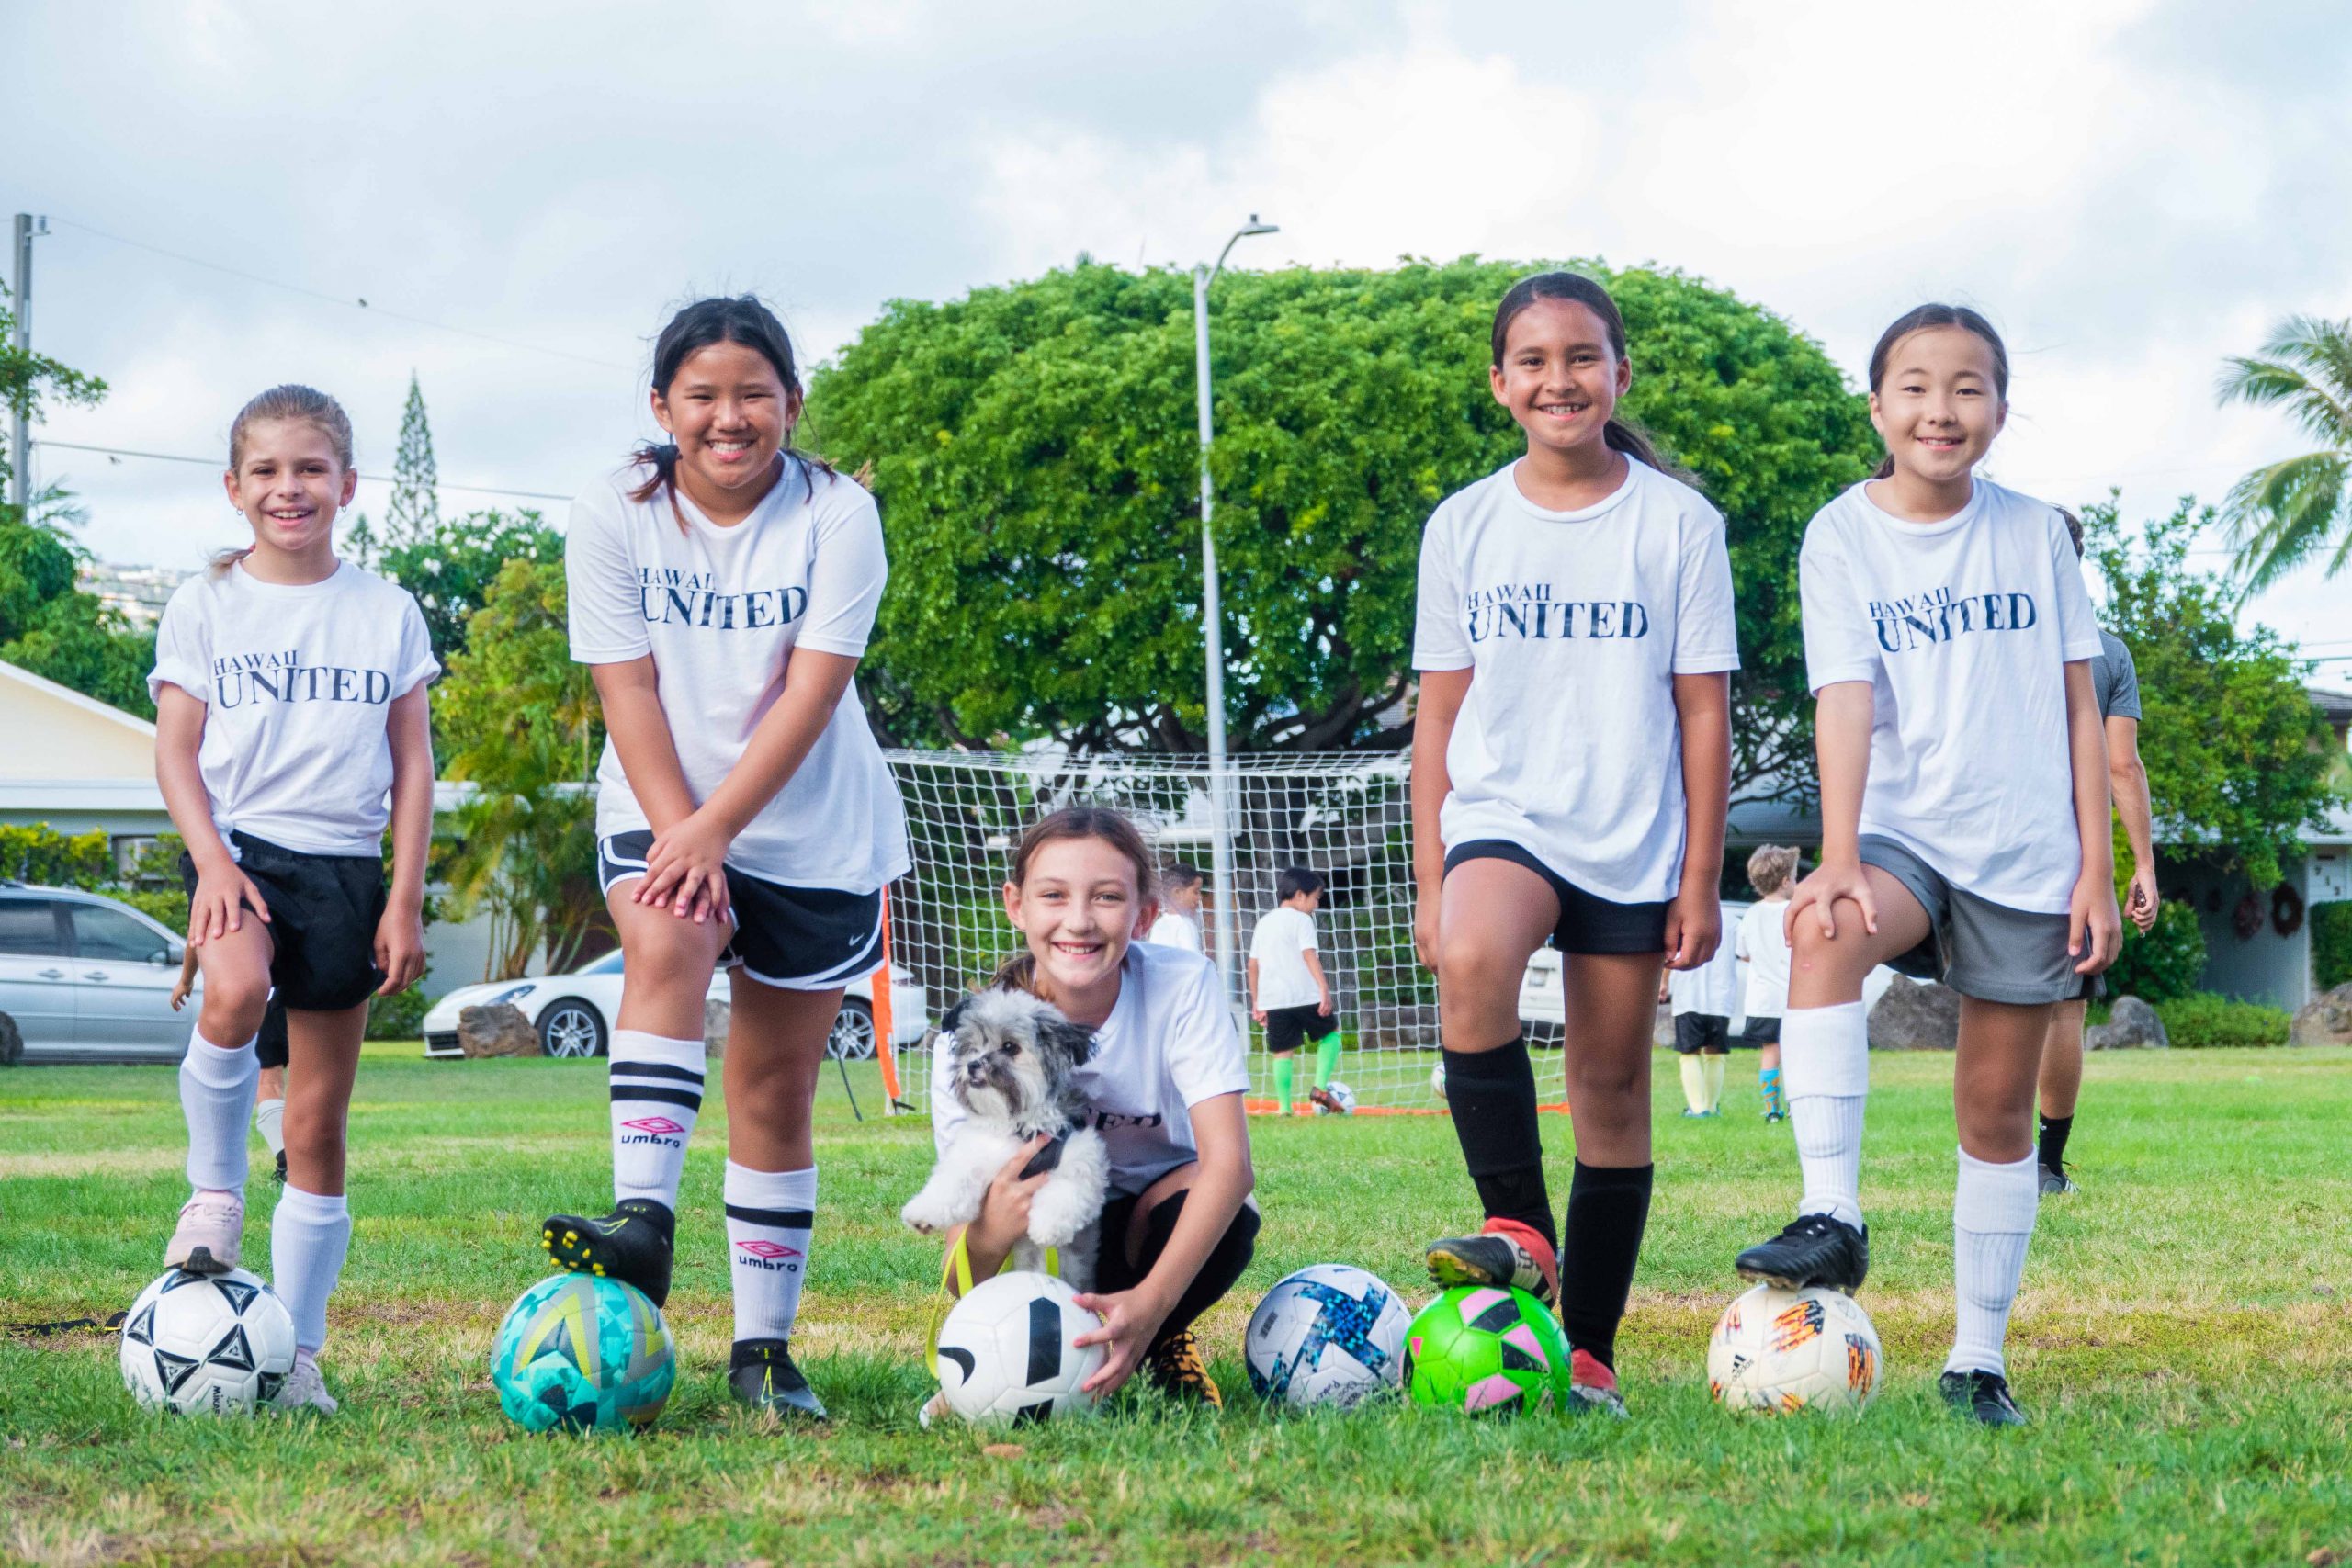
(1765, 1030)
(796, 939)
(1588, 923)
(323, 911)
(269, 1049)
(1289, 1028)
(1697, 1032)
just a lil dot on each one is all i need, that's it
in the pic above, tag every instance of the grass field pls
(2185, 1341)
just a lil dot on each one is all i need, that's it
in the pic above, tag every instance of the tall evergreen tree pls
(416, 503)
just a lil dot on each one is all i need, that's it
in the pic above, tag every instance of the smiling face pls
(1559, 376)
(730, 413)
(290, 482)
(1939, 404)
(1079, 907)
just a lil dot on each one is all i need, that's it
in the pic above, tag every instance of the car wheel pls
(12, 1042)
(853, 1036)
(571, 1028)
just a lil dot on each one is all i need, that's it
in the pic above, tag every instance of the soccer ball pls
(1787, 1350)
(1327, 1335)
(1005, 1353)
(1343, 1094)
(1486, 1350)
(1437, 1079)
(206, 1344)
(584, 1354)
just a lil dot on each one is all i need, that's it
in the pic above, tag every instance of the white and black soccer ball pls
(1005, 1352)
(1329, 1334)
(1783, 1351)
(206, 1344)
(1343, 1094)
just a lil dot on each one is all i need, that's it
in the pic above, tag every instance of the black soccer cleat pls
(1982, 1397)
(1814, 1249)
(761, 1374)
(631, 1244)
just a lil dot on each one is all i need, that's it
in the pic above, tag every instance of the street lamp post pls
(1212, 620)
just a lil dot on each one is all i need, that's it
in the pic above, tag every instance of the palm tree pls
(2282, 515)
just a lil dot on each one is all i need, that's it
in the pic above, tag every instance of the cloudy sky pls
(2132, 189)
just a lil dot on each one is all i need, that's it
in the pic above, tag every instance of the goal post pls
(1346, 816)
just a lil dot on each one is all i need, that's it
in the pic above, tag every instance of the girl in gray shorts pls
(1964, 821)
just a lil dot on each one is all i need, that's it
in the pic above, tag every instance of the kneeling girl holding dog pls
(1163, 1081)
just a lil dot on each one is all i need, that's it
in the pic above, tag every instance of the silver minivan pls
(84, 978)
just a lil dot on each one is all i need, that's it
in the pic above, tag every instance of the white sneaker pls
(211, 1230)
(304, 1389)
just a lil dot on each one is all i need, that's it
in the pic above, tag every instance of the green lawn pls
(2184, 1340)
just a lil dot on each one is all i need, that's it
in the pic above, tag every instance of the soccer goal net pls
(1346, 817)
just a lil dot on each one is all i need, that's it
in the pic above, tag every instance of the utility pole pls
(28, 227)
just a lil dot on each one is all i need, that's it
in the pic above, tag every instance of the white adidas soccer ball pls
(206, 1344)
(1343, 1094)
(1328, 1335)
(1783, 1351)
(1437, 1079)
(1005, 1352)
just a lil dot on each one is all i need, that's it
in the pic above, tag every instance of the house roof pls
(67, 694)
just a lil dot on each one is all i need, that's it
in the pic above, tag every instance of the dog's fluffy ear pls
(1073, 1041)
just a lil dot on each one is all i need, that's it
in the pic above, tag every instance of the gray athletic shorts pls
(1977, 947)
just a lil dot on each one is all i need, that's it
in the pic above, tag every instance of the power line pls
(215, 463)
(353, 301)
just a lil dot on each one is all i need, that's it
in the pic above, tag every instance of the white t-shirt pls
(1963, 629)
(1168, 1044)
(1576, 624)
(1712, 988)
(721, 610)
(297, 683)
(1764, 947)
(1279, 948)
(1175, 928)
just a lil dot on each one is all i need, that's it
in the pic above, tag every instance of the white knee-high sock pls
(1712, 1068)
(1694, 1083)
(1993, 1208)
(769, 1216)
(1825, 1069)
(269, 1119)
(657, 1094)
(217, 1095)
(309, 1235)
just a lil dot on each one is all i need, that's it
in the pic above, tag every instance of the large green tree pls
(452, 566)
(2298, 508)
(1034, 450)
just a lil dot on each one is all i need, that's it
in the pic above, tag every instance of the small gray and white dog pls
(1012, 1063)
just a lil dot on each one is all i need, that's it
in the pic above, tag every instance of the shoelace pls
(218, 1211)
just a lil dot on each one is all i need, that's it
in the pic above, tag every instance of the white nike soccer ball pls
(1437, 1079)
(1329, 1334)
(1343, 1094)
(1005, 1352)
(1783, 1351)
(206, 1344)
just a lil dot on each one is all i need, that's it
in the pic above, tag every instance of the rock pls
(499, 1030)
(2133, 1025)
(715, 1011)
(2325, 1019)
(1915, 1017)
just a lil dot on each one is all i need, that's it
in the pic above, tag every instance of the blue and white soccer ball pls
(1006, 1351)
(1329, 1334)
(1344, 1095)
(206, 1344)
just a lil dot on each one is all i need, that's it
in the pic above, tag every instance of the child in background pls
(1703, 1001)
(1179, 924)
(270, 1050)
(1288, 994)
(1763, 948)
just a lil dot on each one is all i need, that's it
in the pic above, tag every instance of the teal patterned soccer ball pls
(583, 1354)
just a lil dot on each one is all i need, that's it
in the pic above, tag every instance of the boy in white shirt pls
(1288, 994)
(1763, 950)
(1179, 924)
(1704, 1000)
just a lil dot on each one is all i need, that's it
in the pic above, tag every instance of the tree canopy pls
(451, 567)
(1034, 450)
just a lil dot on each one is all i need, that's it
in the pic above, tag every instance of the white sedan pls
(574, 1012)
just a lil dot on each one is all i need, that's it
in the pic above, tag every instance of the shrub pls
(2205, 1020)
(2164, 964)
(398, 1018)
(2331, 945)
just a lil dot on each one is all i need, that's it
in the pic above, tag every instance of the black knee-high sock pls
(1608, 1209)
(2053, 1140)
(1220, 1270)
(1493, 1097)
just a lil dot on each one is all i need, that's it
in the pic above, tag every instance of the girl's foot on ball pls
(211, 1229)
(1505, 1253)
(631, 1244)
